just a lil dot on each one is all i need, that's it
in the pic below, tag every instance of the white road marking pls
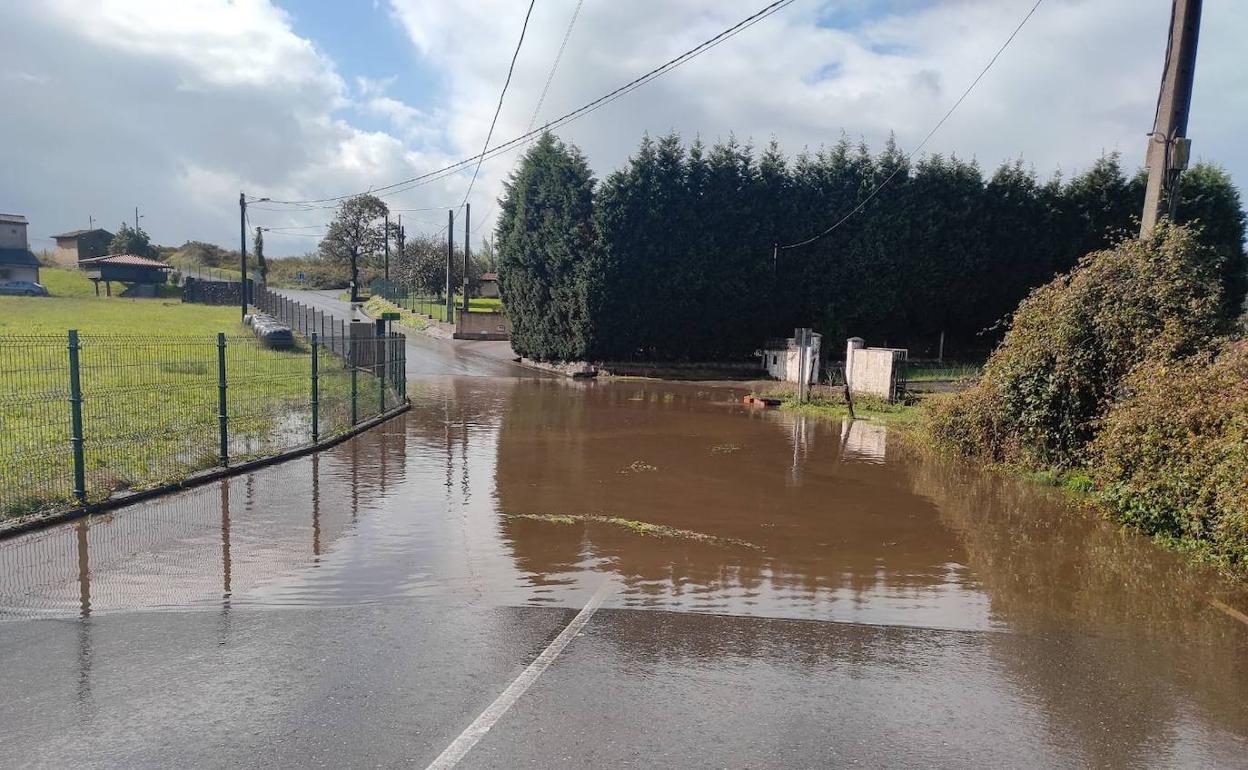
(482, 724)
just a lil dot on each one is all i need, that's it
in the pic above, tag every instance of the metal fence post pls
(381, 374)
(75, 412)
(223, 418)
(316, 435)
(354, 392)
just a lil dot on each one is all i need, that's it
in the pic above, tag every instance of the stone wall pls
(482, 326)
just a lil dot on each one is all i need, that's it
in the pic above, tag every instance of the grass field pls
(431, 306)
(148, 375)
(73, 305)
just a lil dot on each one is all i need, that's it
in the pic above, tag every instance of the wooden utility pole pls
(467, 219)
(387, 234)
(1168, 145)
(401, 236)
(450, 264)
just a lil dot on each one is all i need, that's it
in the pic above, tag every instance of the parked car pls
(23, 288)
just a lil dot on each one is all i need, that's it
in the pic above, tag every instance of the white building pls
(16, 261)
(782, 359)
(875, 371)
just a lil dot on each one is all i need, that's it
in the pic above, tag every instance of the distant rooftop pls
(489, 276)
(76, 233)
(13, 219)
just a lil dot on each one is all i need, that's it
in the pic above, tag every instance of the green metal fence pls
(84, 416)
(431, 306)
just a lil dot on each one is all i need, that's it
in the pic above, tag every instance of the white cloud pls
(1080, 79)
(177, 106)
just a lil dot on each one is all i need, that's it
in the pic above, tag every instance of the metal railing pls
(83, 416)
(432, 306)
(334, 332)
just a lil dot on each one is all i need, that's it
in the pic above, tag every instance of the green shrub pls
(1172, 456)
(1074, 341)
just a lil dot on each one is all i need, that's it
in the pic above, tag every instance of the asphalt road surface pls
(429, 356)
(472, 585)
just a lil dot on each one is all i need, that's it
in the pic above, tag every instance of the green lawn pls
(933, 371)
(73, 305)
(150, 393)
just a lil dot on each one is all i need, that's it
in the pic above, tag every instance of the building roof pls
(129, 260)
(13, 219)
(489, 276)
(18, 257)
(78, 233)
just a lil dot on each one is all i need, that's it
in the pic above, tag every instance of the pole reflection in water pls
(199, 548)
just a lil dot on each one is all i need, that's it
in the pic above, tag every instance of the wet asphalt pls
(836, 601)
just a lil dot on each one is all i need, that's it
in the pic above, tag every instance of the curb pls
(195, 479)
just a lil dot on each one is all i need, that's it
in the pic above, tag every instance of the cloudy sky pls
(175, 107)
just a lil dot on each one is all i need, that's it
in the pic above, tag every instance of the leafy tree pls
(683, 243)
(132, 240)
(357, 235)
(421, 266)
(258, 250)
(548, 267)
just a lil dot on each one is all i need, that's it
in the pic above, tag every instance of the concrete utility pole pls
(467, 218)
(136, 219)
(1168, 145)
(242, 249)
(387, 234)
(450, 264)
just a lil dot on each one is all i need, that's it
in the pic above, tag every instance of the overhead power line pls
(510, 69)
(550, 77)
(579, 112)
(862, 204)
(537, 109)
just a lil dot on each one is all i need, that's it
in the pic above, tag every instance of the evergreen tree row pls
(672, 257)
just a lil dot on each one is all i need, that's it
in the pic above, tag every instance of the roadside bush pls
(1074, 341)
(1172, 457)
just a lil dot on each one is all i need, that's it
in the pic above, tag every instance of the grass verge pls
(376, 306)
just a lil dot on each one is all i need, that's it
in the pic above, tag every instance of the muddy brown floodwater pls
(529, 493)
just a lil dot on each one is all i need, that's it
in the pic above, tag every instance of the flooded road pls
(776, 591)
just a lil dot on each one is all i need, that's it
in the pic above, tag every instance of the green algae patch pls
(640, 527)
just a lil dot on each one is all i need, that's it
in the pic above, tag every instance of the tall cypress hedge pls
(671, 257)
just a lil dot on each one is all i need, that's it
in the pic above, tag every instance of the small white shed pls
(782, 359)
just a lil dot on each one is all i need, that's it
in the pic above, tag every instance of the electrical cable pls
(537, 109)
(510, 69)
(862, 204)
(576, 114)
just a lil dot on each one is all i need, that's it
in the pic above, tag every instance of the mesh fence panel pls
(36, 469)
(150, 406)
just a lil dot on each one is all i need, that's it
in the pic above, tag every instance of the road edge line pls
(471, 735)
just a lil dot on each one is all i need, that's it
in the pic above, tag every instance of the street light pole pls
(242, 250)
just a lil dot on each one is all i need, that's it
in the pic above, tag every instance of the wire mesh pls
(36, 468)
(150, 405)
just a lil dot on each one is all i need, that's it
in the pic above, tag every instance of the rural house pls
(76, 245)
(17, 263)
